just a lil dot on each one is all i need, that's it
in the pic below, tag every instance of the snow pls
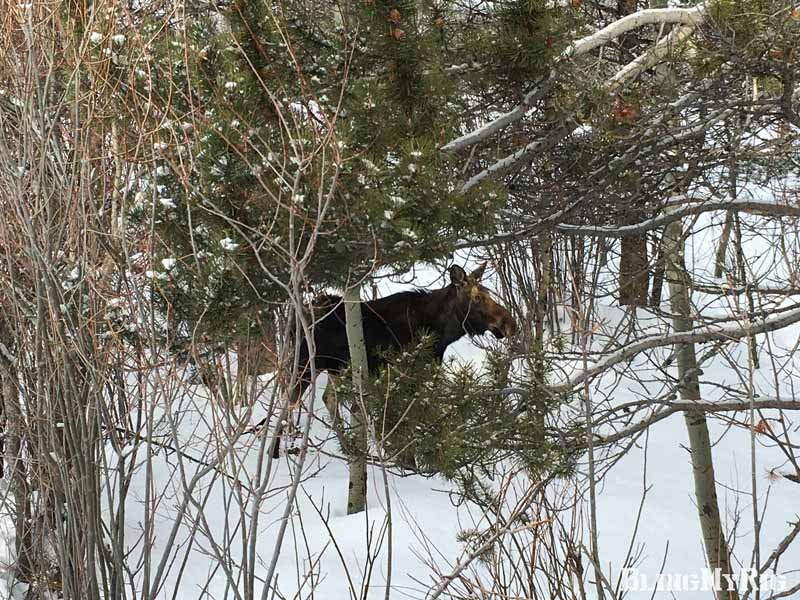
(326, 551)
(670, 524)
(155, 275)
(228, 244)
(168, 263)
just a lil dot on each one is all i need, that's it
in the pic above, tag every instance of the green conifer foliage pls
(286, 127)
(523, 38)
(453, 420)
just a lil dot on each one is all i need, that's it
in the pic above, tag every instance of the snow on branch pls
(516, 113)
(650, 16)
(699, 335)
(649, 58)
(762, 208)
(688, 17)
(624, 75)
(504, 164)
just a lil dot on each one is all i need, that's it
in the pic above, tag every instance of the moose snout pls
(506, 327)
(509, 327)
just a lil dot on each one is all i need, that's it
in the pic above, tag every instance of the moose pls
(391, 323)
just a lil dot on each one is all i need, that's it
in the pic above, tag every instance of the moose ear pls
(478, 273)
(457, 275)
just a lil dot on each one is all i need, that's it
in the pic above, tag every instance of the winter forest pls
(399, 299)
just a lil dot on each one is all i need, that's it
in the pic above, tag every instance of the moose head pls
(474, 306)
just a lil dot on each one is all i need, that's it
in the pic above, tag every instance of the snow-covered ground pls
(329, 555)
(669, 532)
(326, 552)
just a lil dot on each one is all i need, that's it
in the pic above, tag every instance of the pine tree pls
(292, 137)
(285, 127)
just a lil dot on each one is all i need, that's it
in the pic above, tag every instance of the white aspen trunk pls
(705, 490)
(357, 492)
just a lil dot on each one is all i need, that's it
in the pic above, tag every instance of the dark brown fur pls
(391, 323)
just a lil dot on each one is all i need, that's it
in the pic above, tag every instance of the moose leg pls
(332, 404)
(293, 400)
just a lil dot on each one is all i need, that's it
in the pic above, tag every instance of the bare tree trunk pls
(705, 490)
(633, 271)
(634, 277)
(658, 273)
(20, 490)
(722, 248)
(357, 492)
(543, 292)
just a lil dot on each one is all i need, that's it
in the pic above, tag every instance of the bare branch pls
(708, 333)
(684, 16)
(704, 407)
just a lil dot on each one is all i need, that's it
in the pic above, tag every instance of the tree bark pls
(543, 292)
(714, 540)
(357, 491)
(722, 248)
(20, 489)
(658, 273)
(634, 278)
